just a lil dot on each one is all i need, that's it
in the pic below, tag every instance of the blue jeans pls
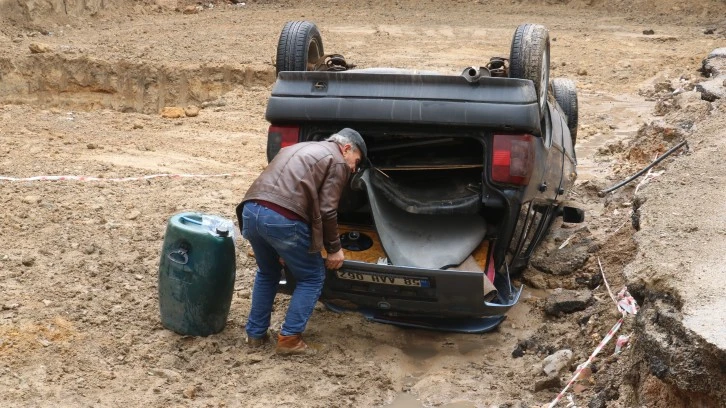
(272, 237)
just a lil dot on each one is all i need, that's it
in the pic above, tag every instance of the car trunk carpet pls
(422, 240)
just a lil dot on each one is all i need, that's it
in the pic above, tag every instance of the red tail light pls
(288, 135)
(512, 159)
(279, 137)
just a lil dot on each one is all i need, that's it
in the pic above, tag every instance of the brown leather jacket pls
(308, 179)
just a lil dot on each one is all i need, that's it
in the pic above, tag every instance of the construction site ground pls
(82, 88)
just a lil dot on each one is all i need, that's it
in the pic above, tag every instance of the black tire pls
(529, 58)
(300, 47)
(565, 93)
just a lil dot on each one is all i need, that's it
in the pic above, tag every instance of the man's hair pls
(349, 136)
(342, 140)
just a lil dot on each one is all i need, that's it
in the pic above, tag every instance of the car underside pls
(465, 174)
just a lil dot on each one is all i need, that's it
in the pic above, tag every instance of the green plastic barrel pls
(196, 274)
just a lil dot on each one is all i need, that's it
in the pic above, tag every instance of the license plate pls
(383, 279)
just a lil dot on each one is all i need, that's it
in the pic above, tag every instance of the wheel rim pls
(313, 55)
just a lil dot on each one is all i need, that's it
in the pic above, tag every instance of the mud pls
(82, 85)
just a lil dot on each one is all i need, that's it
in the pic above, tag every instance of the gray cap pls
(357, 139)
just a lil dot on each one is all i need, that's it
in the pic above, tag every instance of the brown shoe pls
(292, 345)
(258, 342)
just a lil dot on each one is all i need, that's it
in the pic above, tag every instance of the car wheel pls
(300, 47)
(565, 93)
(529, 58)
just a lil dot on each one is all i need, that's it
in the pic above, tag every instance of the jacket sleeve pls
(330, 192)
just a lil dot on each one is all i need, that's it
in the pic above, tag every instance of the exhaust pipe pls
(472, 74)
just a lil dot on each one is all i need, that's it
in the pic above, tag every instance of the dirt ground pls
(79, 318)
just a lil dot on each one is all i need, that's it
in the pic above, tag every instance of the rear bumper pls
(439, 293)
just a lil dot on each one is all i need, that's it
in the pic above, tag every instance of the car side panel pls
(548, 165)
(559, 133)
(569, 165)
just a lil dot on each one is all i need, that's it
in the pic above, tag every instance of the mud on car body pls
(465, 175)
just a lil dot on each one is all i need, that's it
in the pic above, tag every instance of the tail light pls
(279, 137)
(512, 159)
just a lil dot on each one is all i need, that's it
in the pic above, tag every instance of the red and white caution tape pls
(119, 179)
(626, 305)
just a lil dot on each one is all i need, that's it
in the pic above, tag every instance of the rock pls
(663, 86)
(662, 107)
(553, 364)
(547, 383)
(190, 10)
(563, 261)
(172, 112)
(692, 102)
(254, 359)
(217, 103)
(534, 279)
(597, 402)
(518, 352)
(37, 48)
(567, 301)
(711, 90)
(190, 392)
(31, 199)
(47, 302)
(648, 32)
(10, 306)
(91, 146)
(600, 400)
(582, 72)
(169, 375)
(715, 63)
(579, 388)
(191, 111)
(708, 31)
(89, 249)
(28, 260)
(133, 214)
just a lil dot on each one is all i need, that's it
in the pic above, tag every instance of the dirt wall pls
(86, 83)
(22, 11)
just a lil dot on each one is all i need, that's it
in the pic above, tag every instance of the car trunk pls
(418, 243)
(418, 204)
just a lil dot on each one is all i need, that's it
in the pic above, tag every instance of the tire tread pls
(565, 92)
(292, 47)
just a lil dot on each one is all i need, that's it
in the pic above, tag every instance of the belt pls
(289, 214)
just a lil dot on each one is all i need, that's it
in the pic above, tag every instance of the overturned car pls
(466, 173)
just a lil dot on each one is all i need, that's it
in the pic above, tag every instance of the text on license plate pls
(384, 279)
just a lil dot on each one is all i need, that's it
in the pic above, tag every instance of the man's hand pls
(335, 261)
